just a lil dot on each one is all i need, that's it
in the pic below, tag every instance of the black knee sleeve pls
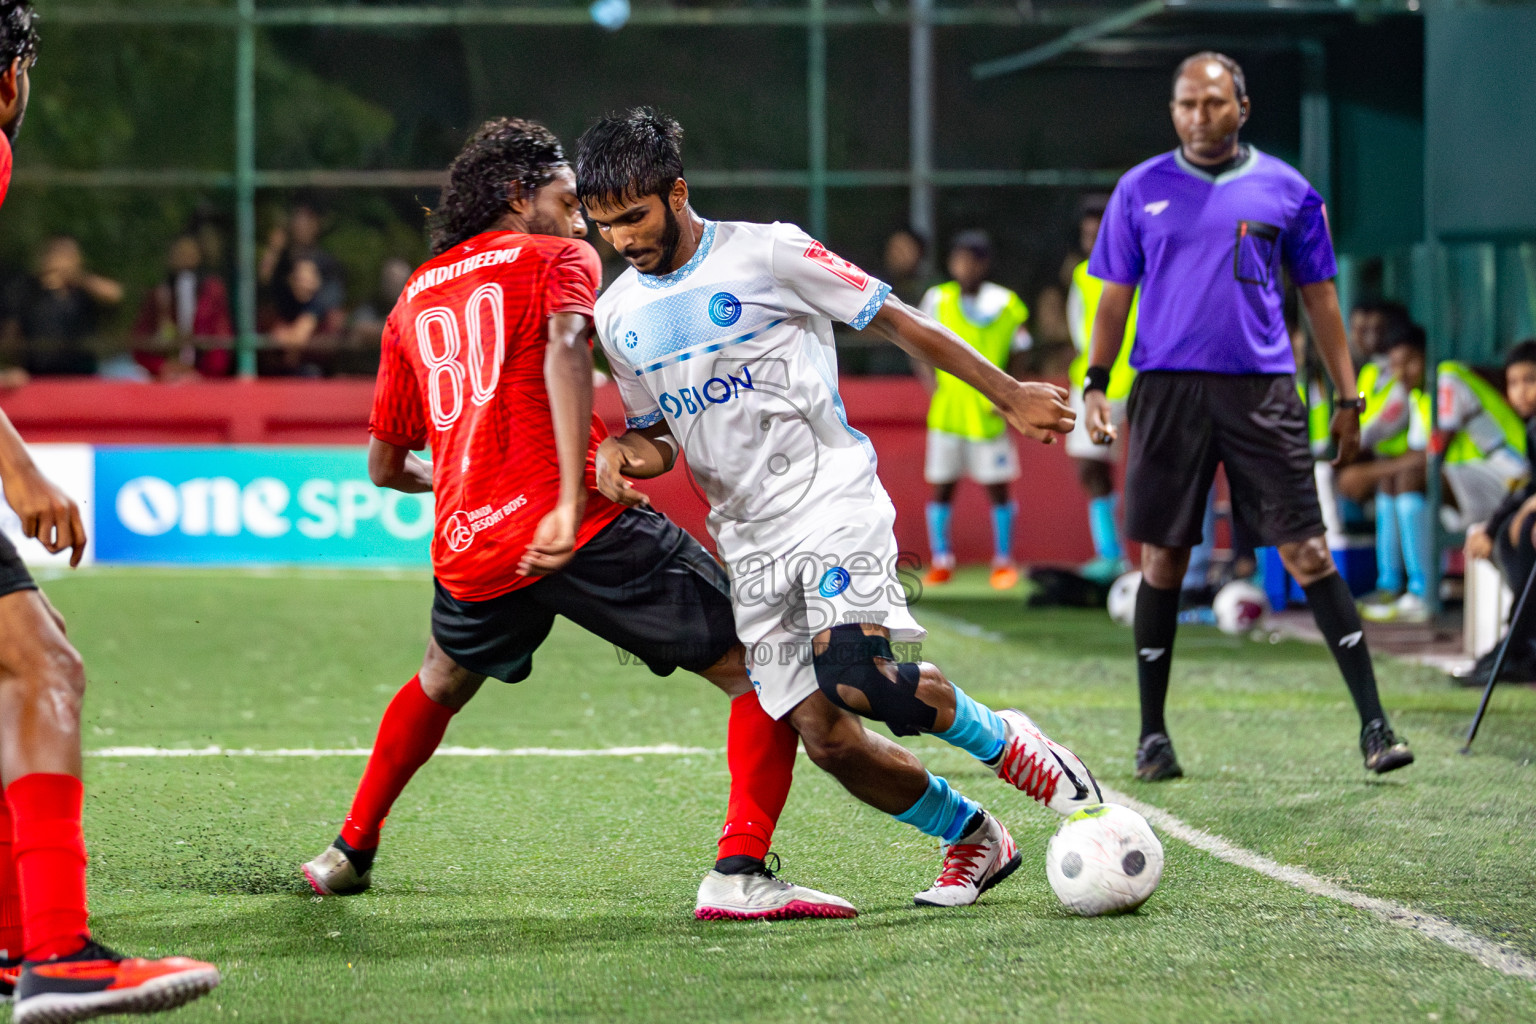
(849, 660)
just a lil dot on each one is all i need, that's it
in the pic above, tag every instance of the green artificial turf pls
(562, 888)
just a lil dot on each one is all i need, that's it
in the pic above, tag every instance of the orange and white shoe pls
(973, 864)
(1004, 576)
(10, 971)
(943, 570)
(97, 981)
(1037, 765)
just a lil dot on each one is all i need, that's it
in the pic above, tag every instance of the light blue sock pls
(1413, 525)
(1002, 531)
(938, 529)
(1101, 523)
(1200, 556)
(941, 811)
(977, 729)
(1389, 545)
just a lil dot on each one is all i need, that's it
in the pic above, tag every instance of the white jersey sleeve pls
(640, 408)
(1075, 311)
(812, 280)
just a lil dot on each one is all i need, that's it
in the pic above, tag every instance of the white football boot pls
(332, 874)
(759, 896)
(973, 864)
(1035, 764)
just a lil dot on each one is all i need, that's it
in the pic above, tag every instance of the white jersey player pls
(720, 337)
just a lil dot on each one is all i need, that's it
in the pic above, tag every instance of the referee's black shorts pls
(13, 572)
(641, 583)
(1183, 423)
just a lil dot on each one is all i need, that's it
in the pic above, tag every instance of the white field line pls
(1488, 953)
(668, 749)
(1485, 951)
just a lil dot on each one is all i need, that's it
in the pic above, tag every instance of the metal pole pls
(1316, 120)
(1516, 619)
(245, 188)
(816, 114)
(920, 120)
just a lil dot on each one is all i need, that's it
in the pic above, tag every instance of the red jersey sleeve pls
(575, 274)
(5, 166)
(397, 416)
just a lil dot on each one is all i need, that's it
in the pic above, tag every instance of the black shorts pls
(1183, 424)
(642, 584)
(13, 572)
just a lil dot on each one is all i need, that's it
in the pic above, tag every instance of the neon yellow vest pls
(1461, 447)
(1319, 416)
(1376, 385)
(957, 408)
(1091, 289)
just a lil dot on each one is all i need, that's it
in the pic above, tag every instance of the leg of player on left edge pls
(65, 974)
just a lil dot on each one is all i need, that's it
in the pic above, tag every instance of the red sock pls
(10, 893)
(412, 728)
(49, 850)
(760, 753)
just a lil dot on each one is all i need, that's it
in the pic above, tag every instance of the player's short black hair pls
(1521, 352)
(18, 33)
(626, 157)
(1409, 334)
(506, 157)
(976, 242)
(1239, 82)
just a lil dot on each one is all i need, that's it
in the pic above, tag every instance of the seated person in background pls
(1508, 536)
(54, 313)
(301, 326)
(966, 435)
(183, 327)
(1481, 441)
(299, 239)
(366, 327)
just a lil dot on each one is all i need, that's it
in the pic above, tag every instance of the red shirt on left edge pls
(462, 369)
(5, 167)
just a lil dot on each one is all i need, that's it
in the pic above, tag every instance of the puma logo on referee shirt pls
(1152, 653)
(1157, 207)
(1351, 639)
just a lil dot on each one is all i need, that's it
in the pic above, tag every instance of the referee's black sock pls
(1334, 609)
(1157, 620)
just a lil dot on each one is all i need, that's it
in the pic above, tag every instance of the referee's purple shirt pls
(1207, 253)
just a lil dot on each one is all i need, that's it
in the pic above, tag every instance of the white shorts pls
(1080, 444)
(1480, 486)
(951, 456)
(843, 573)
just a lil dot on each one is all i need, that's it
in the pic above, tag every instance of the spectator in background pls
(905, 250)
(366, 328)
(966, 434)
(53, 315)
(300, 325)
(299, 239)
(183, 326)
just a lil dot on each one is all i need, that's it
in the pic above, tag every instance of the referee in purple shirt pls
(1205, 231)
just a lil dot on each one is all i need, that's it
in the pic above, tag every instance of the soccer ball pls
(1240, 607)
(1104, 859)
(1122, 598)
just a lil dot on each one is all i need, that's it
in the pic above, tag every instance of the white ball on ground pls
(1122, 598)
(1240, 607)
(1104, 859)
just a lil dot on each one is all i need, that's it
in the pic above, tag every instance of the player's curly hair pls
(506, 158)
(18, 32)
(628, 156)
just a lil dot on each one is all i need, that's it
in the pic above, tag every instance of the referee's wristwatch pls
(1357, 403)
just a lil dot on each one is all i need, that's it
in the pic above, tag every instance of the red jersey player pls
(48, 959)
(487, 358)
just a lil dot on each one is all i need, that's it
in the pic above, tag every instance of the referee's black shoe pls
(1383, 751)
(1155, 760)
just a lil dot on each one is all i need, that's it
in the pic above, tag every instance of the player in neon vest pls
(1095, 462)
(966, 436)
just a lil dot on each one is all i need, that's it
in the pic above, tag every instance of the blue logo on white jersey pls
(724, 309)
(690, 401)
(834, 581)
(631, 340)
